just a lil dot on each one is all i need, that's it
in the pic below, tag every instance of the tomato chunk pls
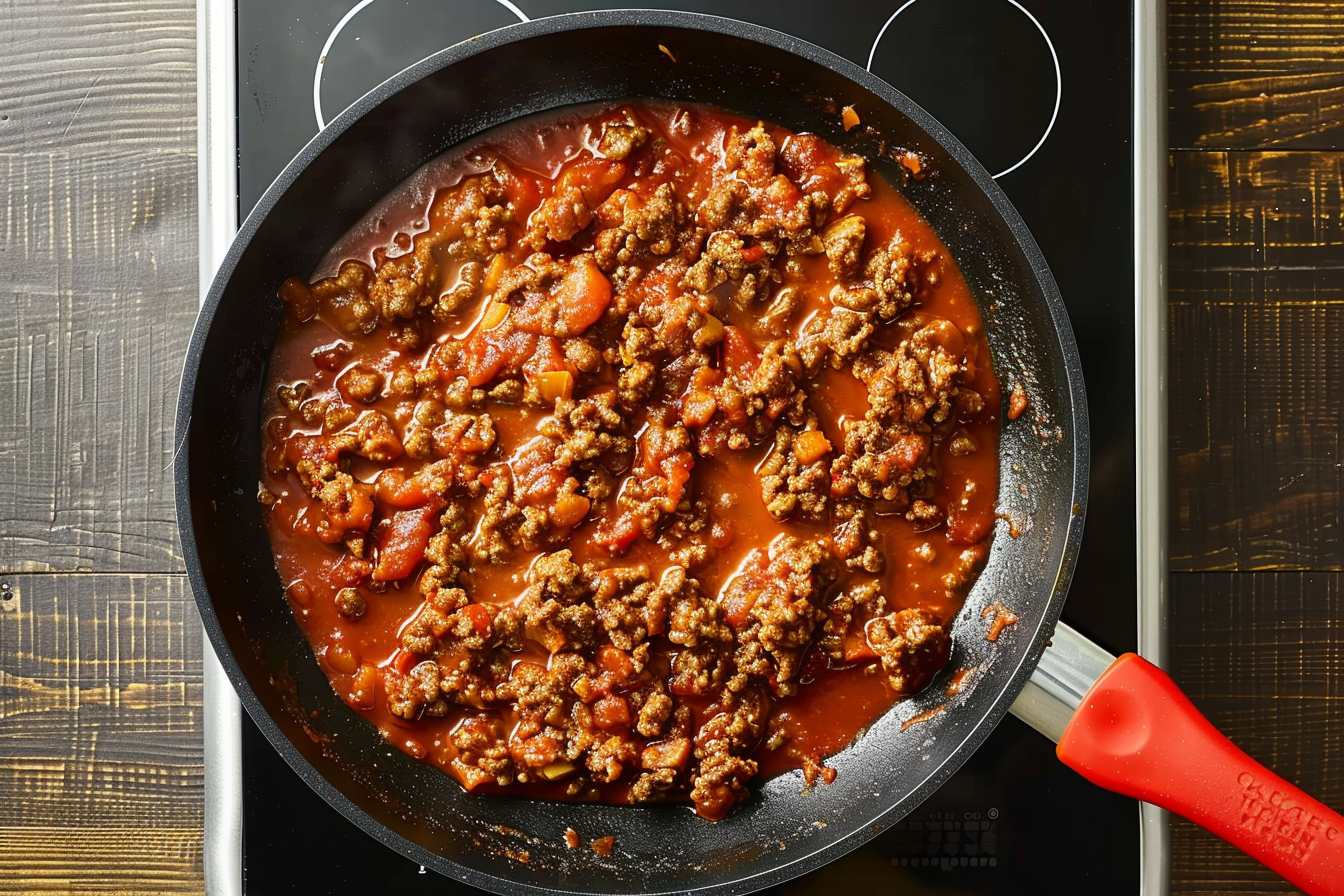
(740, 355)
(402, 544)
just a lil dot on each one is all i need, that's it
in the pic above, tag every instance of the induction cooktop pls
(1052, 98)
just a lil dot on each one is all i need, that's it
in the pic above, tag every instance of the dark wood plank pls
(98, 267)
(1256, 291)
(126, 862)
(1260, 655)
(1246, 74)
(101, 778)
(100, 698)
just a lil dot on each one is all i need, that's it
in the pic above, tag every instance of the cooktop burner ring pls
(1054, 58)
(340, 26)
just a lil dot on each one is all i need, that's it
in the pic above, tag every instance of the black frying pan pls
(513, 845)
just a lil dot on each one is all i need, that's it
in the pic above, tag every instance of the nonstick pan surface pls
(514, 845)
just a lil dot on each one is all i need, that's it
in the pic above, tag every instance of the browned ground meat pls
(581, 482)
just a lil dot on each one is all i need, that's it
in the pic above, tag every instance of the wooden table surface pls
(100, 646)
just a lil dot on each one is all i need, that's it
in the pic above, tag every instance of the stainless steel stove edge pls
(217, 211)
(1149, 60)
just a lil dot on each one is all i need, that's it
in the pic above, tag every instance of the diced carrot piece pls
(569, 510)
(612, 713)
(616, 661)
(494, 315)
(554, 384)
(364, 687)
(811, 446)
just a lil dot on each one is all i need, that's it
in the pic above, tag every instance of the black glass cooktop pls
(1039, 91)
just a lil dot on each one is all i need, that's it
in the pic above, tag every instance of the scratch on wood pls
(80, 108)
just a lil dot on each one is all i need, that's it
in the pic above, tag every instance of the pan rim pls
(803, 862)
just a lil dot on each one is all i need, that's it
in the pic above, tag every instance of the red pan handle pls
(1137, 734)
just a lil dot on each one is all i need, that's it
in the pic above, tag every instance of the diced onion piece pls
(557, 770)
(494, 315)
(849, 117)
(711, 332)
(494, 272)
(554, 384)
(811, 446)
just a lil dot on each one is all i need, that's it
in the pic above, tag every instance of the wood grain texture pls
(123, 861)
(1256, 74)
(1256, 292)
(100, 674)
(1262, 655)
(98, 262)
(100, 696)
(90, 76)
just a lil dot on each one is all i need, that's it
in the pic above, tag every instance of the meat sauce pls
(631, 454)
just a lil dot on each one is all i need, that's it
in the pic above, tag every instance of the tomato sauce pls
(542, 268)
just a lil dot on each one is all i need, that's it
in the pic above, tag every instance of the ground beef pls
(912, 645)
(843, 240)
(792, 485)
(775, 606)
(618, 448)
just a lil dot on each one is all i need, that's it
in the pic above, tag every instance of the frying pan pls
(514, 845)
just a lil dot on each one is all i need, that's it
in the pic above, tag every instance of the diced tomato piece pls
(484, 359)
(480, 618)
(395, 489)
(355, 516)
(857, 648)
(905, 453)
(969, 525)
(521, 190)
(348, 572)
(535, 752)
(569, 510)
(752, 254)
(304, 447)
(402, 544)
(740, 355)
(672, 753)
(584, 294)
(488, 354)
(403, 661)
(618, 534)
(547, 356)
(737, 603)
(595, 178)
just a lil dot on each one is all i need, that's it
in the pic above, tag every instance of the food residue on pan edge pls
(923, 716)
(604, 845)
(849, 118)
(571, 838)
(1017, 401)
(957, 681)
(1003, 617)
